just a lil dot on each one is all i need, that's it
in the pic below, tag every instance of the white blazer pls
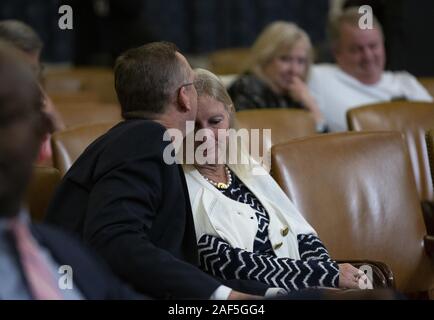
(236, 223)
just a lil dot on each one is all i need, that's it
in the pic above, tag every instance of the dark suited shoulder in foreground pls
(141, 229)
(94, 280)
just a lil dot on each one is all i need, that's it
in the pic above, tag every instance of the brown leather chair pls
(428, 83)
(359, 193)
(85, 113)
(411, 118)
(74, 98)
(430, 148)
(285, 124)
(40, 190)
(69, 144)
(428, 206)
(96, 80)
(228, 61)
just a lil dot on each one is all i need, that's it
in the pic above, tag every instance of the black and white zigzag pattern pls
(221, 260)
(315, 267)
(239, 192)
(312, 249)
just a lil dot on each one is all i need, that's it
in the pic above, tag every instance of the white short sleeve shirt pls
(336, 91)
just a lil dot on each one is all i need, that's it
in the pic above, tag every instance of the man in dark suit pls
(122, 197)
(37, 261)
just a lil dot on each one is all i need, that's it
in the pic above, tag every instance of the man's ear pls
(183, 100)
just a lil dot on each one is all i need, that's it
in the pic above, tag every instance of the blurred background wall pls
(104, 28)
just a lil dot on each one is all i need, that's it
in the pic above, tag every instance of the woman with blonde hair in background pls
(276, 72)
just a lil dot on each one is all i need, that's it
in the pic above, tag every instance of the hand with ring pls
(349, 276)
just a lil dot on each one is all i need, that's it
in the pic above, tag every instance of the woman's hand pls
(349, 276)
(299, 92)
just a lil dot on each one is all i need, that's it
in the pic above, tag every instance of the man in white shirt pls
(358, 78)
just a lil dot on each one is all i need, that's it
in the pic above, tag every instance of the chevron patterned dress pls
(314, 269)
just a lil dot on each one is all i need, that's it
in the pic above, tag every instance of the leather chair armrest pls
(428, 216)
(428, 242)
(382, 275)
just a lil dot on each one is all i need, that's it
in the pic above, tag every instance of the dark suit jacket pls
(90, 275)
(132, 207)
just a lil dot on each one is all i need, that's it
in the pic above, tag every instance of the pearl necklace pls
(221, 185)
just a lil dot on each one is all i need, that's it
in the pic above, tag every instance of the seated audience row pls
(129, 204)
(156, 223)
(358, 78)
(280, 65)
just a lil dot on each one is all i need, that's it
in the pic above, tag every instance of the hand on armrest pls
(382, 275)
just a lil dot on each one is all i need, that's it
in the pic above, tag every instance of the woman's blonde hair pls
(208, 84)
(277, 36)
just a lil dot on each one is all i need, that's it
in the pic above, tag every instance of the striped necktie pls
(39, 277)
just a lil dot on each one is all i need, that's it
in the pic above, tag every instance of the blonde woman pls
(247, 228)
(276, 72)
